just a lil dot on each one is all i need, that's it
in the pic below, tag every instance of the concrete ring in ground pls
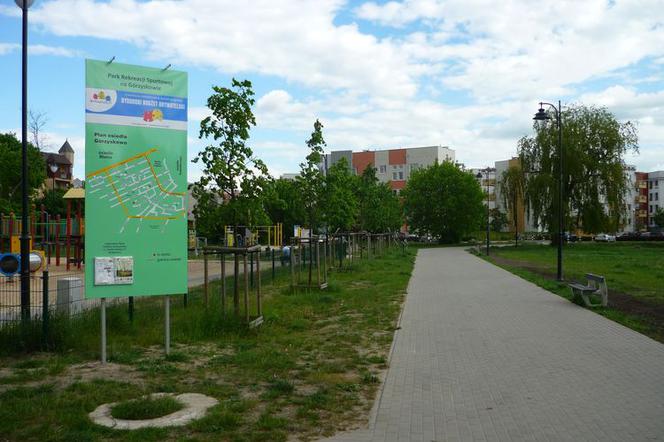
(195, 407)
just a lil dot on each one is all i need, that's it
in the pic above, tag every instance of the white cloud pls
(295, 40)
(6, 48)
(394, 89)
(518, 49)
(57, 51)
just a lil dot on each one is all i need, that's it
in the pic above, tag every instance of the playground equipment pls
(50, 234)
(239, 236)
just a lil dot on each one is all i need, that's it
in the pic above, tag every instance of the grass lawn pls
(313, 367)
(634, 274)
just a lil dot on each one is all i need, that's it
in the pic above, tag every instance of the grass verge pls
(310, 370)
(633, 272)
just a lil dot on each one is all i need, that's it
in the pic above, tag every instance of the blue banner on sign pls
(132, 104)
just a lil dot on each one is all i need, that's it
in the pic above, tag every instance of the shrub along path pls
(485, 355)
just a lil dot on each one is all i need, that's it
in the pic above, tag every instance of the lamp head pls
(479, 175)
(541, 114)
(19, 3)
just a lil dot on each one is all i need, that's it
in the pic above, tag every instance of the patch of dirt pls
(649, 312)
(85, 372)
(89, 371)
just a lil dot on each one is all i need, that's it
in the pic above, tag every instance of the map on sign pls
(142, 187)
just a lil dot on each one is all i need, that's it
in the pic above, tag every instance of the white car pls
(605, 237)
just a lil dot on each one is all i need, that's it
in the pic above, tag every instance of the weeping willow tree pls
(512, 188)
(594, 178)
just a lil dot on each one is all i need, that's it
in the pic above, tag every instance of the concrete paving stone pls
(484, 355)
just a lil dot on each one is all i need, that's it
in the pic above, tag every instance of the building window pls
(656, 183)
(383, 169)
(651, 197)
(651, 208)
(394, 176)
(401, 175)
(656, 196)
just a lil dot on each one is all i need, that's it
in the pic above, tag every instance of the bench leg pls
(586, 300)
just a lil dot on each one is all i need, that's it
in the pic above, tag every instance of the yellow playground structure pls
(271, 236)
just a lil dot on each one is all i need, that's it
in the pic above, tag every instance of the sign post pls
(136, 182)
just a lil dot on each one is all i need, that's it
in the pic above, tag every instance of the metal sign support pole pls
(103, 330)
(167, 324)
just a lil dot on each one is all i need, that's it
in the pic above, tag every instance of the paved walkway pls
(485, 355)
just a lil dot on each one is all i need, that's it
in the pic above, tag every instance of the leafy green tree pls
(284, 205)
(658, 218)
(310, 181)
(53, 202)
(10, 172)
(338, 200)
(443, 200)
(230, 192)
(594, 147)
(498, 220)
(512, 184)
(379, 208)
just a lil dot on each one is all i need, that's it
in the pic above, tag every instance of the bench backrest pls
(597, 281)
(596, 278)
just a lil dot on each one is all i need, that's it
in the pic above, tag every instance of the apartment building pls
(642, 198)
(393, 166)
(636, 201)
(655, 199)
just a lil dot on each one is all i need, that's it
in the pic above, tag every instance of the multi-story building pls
(655, 200)
(636, 201)
(393, 166)
(641, 199)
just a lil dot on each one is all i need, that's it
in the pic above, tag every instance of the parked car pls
(605, 237)
(570, 237)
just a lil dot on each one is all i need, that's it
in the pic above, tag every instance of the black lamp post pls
(479, 176)
(25, 236)
(542, 115)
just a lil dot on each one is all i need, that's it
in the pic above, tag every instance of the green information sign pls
(136, 180)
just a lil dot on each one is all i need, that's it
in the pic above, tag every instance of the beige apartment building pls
(393, 166)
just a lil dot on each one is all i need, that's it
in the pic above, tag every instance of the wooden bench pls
(595, 285)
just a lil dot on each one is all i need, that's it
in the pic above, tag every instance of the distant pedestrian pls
(285, 256)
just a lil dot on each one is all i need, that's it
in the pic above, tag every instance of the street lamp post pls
(542, 115)
(25, 236)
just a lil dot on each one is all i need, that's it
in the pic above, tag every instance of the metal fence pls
(50, 293)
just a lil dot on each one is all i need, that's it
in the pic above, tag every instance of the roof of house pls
(74, 194)
(56, 158)
(66, 148)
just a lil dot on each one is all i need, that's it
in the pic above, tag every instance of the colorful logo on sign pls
(100, 100)
(153, 115)
(101, 96)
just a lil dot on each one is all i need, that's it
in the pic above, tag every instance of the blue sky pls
(467, 74)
